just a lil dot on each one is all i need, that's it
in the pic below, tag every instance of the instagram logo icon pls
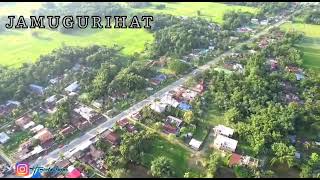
(22, 169)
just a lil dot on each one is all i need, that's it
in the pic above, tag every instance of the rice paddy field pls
(208, 10)
(310, 45)
(19, 46)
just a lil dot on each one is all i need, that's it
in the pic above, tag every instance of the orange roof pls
(23, 121)
(123, 122)
(111, 137)
(44, 135)
(235, 159)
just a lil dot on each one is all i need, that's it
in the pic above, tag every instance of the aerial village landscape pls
(98, 113)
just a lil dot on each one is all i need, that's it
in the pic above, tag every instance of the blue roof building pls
(185, 106)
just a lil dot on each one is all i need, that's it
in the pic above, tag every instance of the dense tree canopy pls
(312, 17)
(233, 19)
(162, 167)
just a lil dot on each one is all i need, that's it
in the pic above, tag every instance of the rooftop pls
(44, 135)
(195, 143)
(225, 143)
(221, 129)
(72, 87)
(3, 137)
(111, 137)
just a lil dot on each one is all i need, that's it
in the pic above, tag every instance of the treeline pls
(138, 4)
(14, 83)
(266, 7)
(178, 36)
(254, 103)
(235, 19)
(312, 17)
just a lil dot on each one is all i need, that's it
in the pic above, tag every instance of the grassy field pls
(15, 140)
(162, 147)
(310, 45)
(214, 117)
(20, 46)
(208, 10)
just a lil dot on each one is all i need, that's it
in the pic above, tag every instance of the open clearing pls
(18, 47)
(162, 147)
(208, 10)
(310, 45)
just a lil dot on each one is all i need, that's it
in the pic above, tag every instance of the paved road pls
(88, 138)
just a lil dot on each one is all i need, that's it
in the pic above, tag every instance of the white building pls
(264, 22)
(238, 67)
(51, 99)
(28, 125)
(168, 99)
(254, 21)
(72, 87)
(53, 81)
(158, 107)
(195, 144)
(15, 103)
(223, 130)
(37, 128)
(4, 137)
(225, 144)
(174, 120)
(85, 112)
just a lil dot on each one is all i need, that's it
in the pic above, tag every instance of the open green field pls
(208, 10)
(310, 45)
(162, 147)
(18, 47)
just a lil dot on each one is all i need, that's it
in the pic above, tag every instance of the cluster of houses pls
(124, 124)
(265, 40)
(70, 90)
(245, 30)
(180, 98)
(224, 142)
(91, 155)
(6, 109)
(297, 71)
(42, 139)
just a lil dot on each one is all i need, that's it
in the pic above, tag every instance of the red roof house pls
(111, 137)
(123, 122)
(131, 128)
(167, 128)
(75, 173)
(235, 159)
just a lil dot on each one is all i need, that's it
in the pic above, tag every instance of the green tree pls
(118, 173)
(283, 154)
(212, 165)
(162, 167)
(311, 168)
(188, 117)
(177, 66)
